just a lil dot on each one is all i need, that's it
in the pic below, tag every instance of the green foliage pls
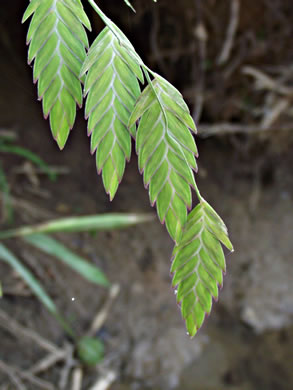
(111, 88)
(90, 350)
(7, 256)
(101, 222)
(166, 151)
(77, 263)
(157, 118)
(199, 263)
(129, 4)
(57, 42)
(36, 236)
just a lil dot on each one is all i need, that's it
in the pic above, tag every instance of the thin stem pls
(104, 18)
(146, 71)
(197, 192)
(122, 39)
(101, 14)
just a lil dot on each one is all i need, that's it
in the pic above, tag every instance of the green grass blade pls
(129, 5)
(28, 277)
(100, 222)
(77, 263)
(7, 256)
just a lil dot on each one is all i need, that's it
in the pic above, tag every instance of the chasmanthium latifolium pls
(126, 100)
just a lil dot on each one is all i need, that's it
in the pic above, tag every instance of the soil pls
(247, 342)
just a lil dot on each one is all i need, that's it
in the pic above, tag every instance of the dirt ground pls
(245, 172)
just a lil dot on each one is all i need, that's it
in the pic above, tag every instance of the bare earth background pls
(233, 61)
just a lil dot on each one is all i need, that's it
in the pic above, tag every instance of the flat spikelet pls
(111, 89)
(57, 45)
(166, 151)
(198, 264)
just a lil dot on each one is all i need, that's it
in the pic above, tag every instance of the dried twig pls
(10, 372)
(103, 313)
(273, 113)
(105, 380)
(199, 79)
(14, 373)
(69, 363)
(41, 171)
(11, 135)
(77, 375)
(263, 81)
(34, 264)
(276, 105)
(19, 330)
(231, 128)
(41, 383)
(27, 207)
(40, 192)
(55, 355)
(19, 288)
(231, 31)
(245, 46)
(48, 361)
(28, 169)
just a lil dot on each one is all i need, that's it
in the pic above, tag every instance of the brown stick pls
(263, 81)
(206, 130)
(231, 31)
(199, 77)
(14, 373)
(18, 330)
(104, 381)
(10, 372)
(47, 362)
(102, 315)
(77, 375)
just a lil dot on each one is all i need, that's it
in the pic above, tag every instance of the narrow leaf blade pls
(102, 222)
(62, 253)
(7, 256)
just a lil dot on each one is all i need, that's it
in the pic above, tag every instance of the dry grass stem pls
(231, 31)
(104, 381)
(77, 376)
(21, 331)
(102, 315)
